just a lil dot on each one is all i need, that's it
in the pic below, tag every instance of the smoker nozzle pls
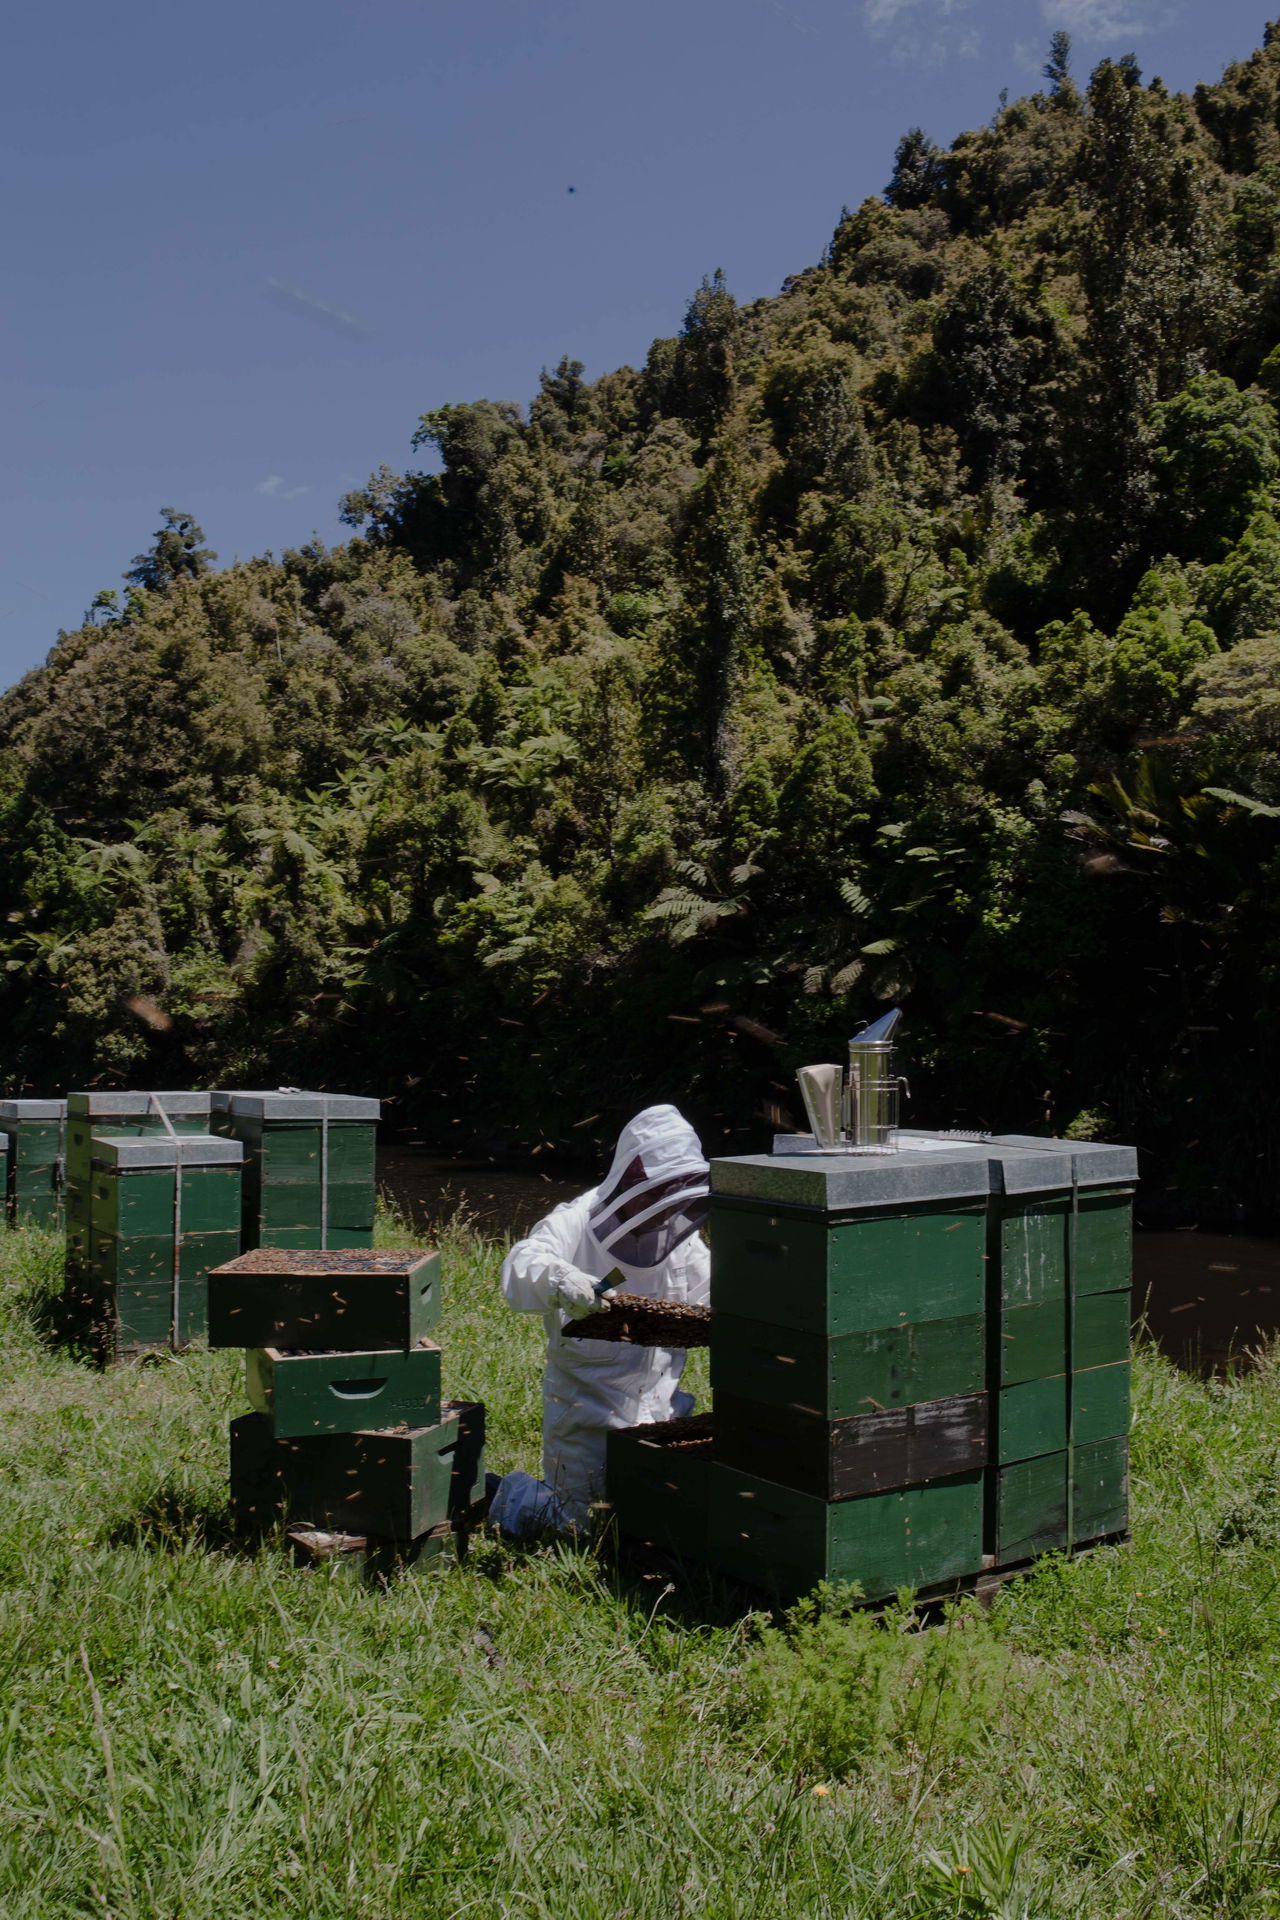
(881, 1029)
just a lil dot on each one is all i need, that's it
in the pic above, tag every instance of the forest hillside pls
(912, 635)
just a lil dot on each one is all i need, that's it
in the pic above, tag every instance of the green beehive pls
(849, 1360)
(392, 1485)
(357, 1300)
(656, 1479)
(855, 1373)
(773, 1537)
(124, 1116)
(1098, 1181)
(307, 1393)
(121, 1116)
(1060, 1250)
(310, 1173)
(843, 1287)
(34, 1132)
(162, 1213)
(842, 1459)
(1062, 1442)
(920, 1364)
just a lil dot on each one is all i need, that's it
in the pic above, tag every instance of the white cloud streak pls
(1107, 19)
(275, 489)
(883, 13)
(928, 30)
(297, 300)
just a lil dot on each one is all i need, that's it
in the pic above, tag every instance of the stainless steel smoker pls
(856, 1110)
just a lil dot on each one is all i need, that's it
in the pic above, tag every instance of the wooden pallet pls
(652, 1563)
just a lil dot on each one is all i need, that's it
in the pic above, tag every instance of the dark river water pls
(1206, 1299)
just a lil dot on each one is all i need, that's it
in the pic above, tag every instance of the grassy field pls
(192, 1731)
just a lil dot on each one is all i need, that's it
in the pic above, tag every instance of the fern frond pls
(854, 898)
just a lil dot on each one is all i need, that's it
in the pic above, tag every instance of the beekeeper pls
(640, 1228)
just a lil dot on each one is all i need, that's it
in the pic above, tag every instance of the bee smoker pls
(857, 1111)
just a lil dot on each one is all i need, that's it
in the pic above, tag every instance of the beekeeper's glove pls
(574, 1291)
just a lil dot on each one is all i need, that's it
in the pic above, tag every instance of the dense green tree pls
(1215, 453)
(1159, 299)
(910, 633)
(1057, 68)
(1241, 594)
(704, 364)
(919, 171)
(179, 553)
(986, 358)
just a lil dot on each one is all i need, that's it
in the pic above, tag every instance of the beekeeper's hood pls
(656, 1192)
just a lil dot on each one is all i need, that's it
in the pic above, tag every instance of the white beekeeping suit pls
(640, 1222)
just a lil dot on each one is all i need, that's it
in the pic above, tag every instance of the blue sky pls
(248, 246)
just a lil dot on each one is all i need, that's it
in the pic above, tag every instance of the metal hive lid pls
(837, 1182)
(1094, 1163)
(100, 1105)
(135, 1156)
(295, 1104)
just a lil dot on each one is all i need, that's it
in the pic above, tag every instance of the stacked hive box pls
(920, 1367)
(349, 1433)
(848, 1360)
(656, 1480)
(116, 1116)
(34, 1132)
(151, 1207)
(164, 1212)
(309, 1178)
(1061, 1237)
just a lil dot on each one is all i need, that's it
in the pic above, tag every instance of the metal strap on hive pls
(175, 1320)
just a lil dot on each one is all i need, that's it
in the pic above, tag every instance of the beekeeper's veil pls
(656, 1192)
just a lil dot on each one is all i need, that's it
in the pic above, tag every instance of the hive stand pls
(919, 1364)
(310, 1176)
(34, 1132)
(349, 1436)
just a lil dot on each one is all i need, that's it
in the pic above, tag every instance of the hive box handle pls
(356, 1389)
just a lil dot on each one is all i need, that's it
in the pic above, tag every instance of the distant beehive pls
(34, 1132)
(152, 1203)
(117, 1116)
(309, 1174)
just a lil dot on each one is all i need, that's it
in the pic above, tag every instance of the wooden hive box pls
(1061, 1263)
(310, 1170)
(353, 1300)
(774, 1537)
(394, 1485)
(890, 1323)
(866, 1453)
(849, 1319)
(122, 1116)
(1059, 1313)
(162, 1214)
(34, 1132)
(307, 1393)
(656, 1480)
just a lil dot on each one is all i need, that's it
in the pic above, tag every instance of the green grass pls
(192, 1731)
